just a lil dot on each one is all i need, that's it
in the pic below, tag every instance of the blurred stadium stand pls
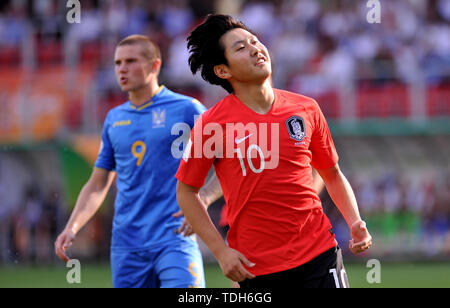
(384, 88)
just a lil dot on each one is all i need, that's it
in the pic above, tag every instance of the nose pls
(123, 68)
(255, 50)
(120, 67)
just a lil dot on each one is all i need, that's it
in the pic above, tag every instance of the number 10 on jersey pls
(249, 159)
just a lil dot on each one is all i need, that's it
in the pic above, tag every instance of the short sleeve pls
(324, 154)
(194, 111)
(105, 158)
(195, 165)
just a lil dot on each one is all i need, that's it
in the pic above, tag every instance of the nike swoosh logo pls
(238, 141)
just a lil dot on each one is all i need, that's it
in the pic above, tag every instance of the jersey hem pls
(193, 242)
(277, 269)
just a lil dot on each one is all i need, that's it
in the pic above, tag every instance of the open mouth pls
(261, 61)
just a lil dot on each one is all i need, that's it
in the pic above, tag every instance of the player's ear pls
(156, 66)
(222, 71)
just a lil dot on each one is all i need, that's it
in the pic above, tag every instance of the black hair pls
(205, 48)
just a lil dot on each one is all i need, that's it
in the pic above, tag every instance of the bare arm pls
(343, 196)
(212, 191)
(196, 213)
(208, 194)
(318, 183)
(89, 201)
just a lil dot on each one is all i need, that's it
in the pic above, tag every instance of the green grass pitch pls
(393, 275)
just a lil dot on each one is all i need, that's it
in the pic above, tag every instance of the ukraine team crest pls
(296, 128)
(159, 118)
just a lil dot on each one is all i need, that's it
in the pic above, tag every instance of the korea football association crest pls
(159, 118)
(296, 128)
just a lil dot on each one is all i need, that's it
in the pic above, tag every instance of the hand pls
(231, 261)
(361, 239)
(185, 227)
(63, 242)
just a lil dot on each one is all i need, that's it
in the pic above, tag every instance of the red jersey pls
(263, 163)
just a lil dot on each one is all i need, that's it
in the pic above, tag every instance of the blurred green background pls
(393, 275)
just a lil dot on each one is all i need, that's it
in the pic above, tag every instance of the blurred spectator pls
(176, 17)
(5, 215)
(13, 24)
(444, 9)
(49, 224)
(412, 39)
(48, 23)
(91, 27)
(116, 18)
(25, 222)
(368, 198)
(136, 19)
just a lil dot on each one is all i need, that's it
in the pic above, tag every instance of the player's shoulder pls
(299, 102)
(296, 98)
(219, 110)
(181, 100)
(118, 110)
(169, 95)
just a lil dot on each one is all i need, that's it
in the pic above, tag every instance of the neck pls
(259, 98)
(143, 95)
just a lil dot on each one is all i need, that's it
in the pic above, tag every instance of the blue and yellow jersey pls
(144, 145)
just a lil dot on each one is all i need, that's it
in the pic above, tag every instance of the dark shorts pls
(324, 271)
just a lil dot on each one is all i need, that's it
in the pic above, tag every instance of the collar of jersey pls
(139, 108)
